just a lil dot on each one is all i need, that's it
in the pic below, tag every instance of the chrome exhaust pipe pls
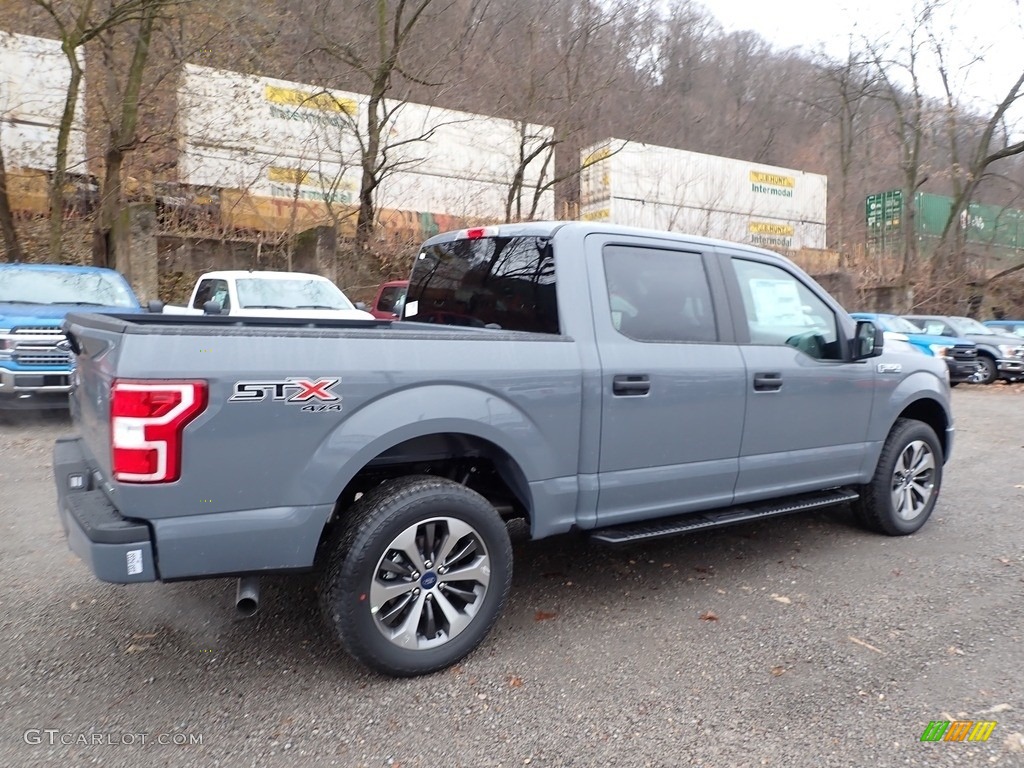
(247, 597)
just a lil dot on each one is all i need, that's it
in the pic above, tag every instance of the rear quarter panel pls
(520, 391)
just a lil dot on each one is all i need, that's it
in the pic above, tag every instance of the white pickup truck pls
(244, 293)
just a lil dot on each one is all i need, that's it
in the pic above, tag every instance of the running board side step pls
(699, 521)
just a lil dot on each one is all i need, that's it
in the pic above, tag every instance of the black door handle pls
(767, 382)
(632, 384)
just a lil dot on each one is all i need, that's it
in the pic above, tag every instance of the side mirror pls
(212, 308)
(868, 340)
(155, 307)
(361, 305)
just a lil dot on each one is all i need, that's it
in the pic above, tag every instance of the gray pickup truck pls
(619, 383)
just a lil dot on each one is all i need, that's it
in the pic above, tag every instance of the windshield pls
(498, 282)
(900, 325)
(39, 286)
(299, 293)
(968, 325)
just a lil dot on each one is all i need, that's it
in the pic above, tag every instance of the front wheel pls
(417, 575)
(902, 494)
(987, 371)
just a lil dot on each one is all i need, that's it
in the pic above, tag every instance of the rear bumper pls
(117, 550)
(34, 389)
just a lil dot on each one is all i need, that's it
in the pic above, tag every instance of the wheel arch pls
(932, 413)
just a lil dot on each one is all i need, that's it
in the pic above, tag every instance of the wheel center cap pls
(429, 580)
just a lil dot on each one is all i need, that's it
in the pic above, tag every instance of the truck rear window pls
(497, 282)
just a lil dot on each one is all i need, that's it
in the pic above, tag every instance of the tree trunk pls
(122, 138)
(11, 244)
(67, 119)
(365, 223)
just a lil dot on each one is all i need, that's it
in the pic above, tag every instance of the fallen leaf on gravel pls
(953, 650)
(1018, 486)
(544, 615)
(1015, 742)
(1004, 560)
(708, 616)
(869, 646)
(996, 709)
(136, 648)
(515, 681)
(778, 671)
(896, 572)
(143, 637)
(720, 591)
(781, 599)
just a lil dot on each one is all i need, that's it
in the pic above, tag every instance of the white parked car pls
(244, 293)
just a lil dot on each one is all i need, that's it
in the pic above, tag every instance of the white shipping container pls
(279, 177)
(767, 232)
(34, 80)
(468, 198)
(235, 128)
(268, 175)
(637, 184)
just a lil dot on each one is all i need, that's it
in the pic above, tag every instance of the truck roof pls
(548, 229)
(59, 268)
(263, 275)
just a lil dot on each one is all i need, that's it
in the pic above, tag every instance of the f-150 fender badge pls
(314, 396)
(890, 368)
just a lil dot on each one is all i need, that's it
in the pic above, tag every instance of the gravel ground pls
(799, 642)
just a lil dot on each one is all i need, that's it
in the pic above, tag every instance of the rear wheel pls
(902, 494)
(417, 575)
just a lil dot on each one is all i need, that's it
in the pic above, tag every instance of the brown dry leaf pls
(544, 615)
(1004, 560)
(515, 681)
(778, 671)
(136, 648)
(954, 651)
(781, 599)
(1015, 742)
(708, 616)
(138, 636)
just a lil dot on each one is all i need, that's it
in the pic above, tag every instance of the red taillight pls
(147, 419)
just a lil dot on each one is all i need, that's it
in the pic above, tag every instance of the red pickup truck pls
(388, 303)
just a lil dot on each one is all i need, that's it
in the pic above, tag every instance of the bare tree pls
(77, 22)
(392, 27)
(12, 245)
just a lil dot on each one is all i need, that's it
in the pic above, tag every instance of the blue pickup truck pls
(960, 355)
(35, 371)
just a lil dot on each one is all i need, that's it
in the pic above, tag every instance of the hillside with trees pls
(664, 74)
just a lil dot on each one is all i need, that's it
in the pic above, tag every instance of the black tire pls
(364, 557)
(987, 371)
(877, 506)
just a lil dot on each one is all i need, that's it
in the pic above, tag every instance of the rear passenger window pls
(782, 310)
(659, 295)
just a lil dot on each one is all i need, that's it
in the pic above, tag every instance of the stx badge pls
(290, 390)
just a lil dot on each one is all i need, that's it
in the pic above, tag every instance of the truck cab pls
(35, 368)
(242, 293)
